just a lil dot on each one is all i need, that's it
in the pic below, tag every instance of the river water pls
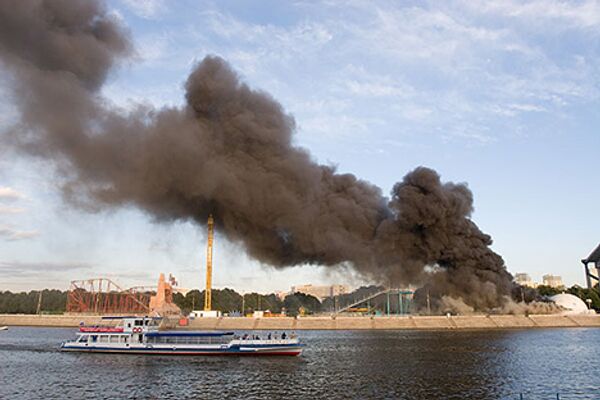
(335, 365)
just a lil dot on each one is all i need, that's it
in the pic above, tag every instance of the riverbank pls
(338, 323)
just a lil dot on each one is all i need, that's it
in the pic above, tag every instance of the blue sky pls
(502, 95)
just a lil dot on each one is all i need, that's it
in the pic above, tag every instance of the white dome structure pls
(572, 304)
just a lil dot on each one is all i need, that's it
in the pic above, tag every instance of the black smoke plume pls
(228, 152)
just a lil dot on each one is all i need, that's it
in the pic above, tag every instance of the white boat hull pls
(217, 350)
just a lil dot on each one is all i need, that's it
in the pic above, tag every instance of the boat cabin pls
(196, 338)
(138, 324)
(128, 329)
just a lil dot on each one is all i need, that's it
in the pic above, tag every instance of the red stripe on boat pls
(100, 329)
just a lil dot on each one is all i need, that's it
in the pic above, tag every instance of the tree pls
(293, 302)
(586, 294)
(544, 290)
(53, 301)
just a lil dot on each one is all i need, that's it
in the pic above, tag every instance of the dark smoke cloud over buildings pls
(228, 152)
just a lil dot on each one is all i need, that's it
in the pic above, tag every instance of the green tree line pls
(224, 300)
(231, 302)
(53, 301)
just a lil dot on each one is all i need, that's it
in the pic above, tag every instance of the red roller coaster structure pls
(103, 296)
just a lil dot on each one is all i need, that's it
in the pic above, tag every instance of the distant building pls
(321, 292)
(554, 281)
(205, 314)
(524, 279)
(594, 260)
(281, 294)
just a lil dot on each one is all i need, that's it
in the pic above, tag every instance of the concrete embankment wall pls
(341, 323)
(47, 320)
(412, 322)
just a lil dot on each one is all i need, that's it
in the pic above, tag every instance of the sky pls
(501, 95)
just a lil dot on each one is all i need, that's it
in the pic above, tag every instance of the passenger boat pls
(3, 328)
(140, 335)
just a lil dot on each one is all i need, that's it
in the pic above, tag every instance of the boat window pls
(94, 338)
(138, 322)
(187, 340)
(146, 322)
(129, 324)
(125, 338)
(103, 339)
(83, 339)
(114, 339)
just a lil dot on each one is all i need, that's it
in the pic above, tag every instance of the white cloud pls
(16, 268)
(374, 89)
(148, 9)
(512, 110)
(580, 14)
(527, 107)
(337, 126)
(474, 136)
(153, 47)
(11, 234)
(380, 68)
(430, 66)
(7, 193)
(11, 210)
(417, 33)
(270, 41)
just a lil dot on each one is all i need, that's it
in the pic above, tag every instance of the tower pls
(209, 251)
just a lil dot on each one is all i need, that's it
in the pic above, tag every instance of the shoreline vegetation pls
(230, 302)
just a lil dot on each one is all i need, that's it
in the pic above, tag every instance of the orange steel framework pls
(209, 257)
(103, 296)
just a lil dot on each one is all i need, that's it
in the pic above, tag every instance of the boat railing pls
(266, 341)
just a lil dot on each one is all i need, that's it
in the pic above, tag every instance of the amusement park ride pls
(103, 296)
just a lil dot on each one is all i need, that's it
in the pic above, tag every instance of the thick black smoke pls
(228, 152)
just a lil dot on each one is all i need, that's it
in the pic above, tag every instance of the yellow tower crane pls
(209, 252)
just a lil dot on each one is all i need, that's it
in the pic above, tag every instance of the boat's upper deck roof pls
(188, 333)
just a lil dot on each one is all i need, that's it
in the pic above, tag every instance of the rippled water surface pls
(335, 365)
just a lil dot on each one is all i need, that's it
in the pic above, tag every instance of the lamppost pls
(243, 304)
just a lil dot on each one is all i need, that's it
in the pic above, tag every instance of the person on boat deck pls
(269, 336)
(283, 335)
